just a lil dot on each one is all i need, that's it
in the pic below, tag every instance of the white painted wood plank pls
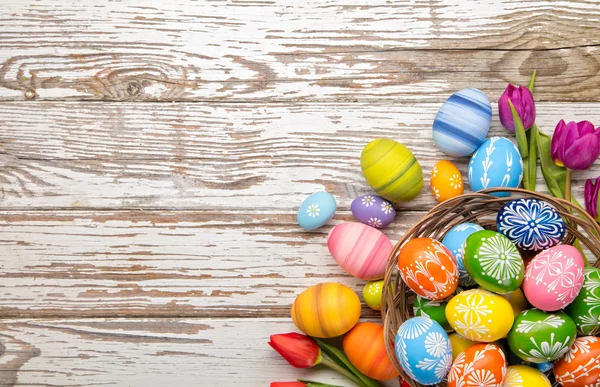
(219, 157)
(289, 50)
(147, 352)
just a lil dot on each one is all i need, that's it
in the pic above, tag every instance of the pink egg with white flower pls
(360, 250)
(554, 278)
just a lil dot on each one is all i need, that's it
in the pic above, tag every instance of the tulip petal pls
(299, 350)
(556, 148)
(582, 152)
(585, 127)
(504, 112)
(591, 197)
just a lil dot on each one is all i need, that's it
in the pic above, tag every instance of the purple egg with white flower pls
(373, 210)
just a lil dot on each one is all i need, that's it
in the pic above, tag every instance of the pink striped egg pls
(360, 250)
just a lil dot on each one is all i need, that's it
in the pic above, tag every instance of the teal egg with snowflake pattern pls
(493, 261)
(435, 310)
(585, 309)
(540, 337)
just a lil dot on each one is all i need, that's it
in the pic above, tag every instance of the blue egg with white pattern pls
(531, 224)
(496, 164)
(373, 210)
(462, 123)
(423, 350)
(454, 241)
(316, 210)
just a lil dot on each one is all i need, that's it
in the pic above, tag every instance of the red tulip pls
(299, 350)
(287, 384)
(522, 100)
(575, 145)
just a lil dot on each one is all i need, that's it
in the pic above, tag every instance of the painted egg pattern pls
(480, 315)
(454, 241)
(423, 350)
(580, 367)
(540, 337)
(391, 170)
(497, 163)
(373, 210)
(554, 278)
(462, 123)
(360, 250)
(326, 310)
(316, 210)
(428, 268)
(372, 293)
(365, 347)
(493, 261)
(524, 376)
(482, 365)
(435, 310)
(446, 181)
(530, 224)
(585, 309)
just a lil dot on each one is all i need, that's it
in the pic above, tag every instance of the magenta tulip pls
(591, 197)
(575, 145)
(522, 100)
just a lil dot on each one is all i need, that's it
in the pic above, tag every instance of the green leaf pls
(532, 81)
(554, 175)
(530, 163)
(312, 383)
(340, 359)
(519, 131)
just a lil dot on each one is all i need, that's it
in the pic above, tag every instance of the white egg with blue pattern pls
(454, 241)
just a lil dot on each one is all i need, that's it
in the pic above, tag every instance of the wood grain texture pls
(218, 157)
(288, 51)
(146, 352)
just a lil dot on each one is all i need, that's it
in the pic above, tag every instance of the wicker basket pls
(479, 208)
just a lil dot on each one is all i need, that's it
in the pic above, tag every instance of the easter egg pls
(459, 344)
(544, 367)
(524, 376)
(372, 293)
(554, 278)
(530, 224)
(428, 268)
(423, 350)
(446, 181)
(539, 337)
(585, 309)
(462, 123)
(493, 261)
(580, 367)
(480, 315)
(497, 163)
(316, 210)
(360, 250)
(435, 310)
(391, 170)
(517, 300)
(365, 347)
(482, 365)
(454, 241)
(373, 210)
(326, 310)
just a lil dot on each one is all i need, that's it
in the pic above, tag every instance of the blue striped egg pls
(454, 241)
(462, 123)
(497, 163)
(423, 350)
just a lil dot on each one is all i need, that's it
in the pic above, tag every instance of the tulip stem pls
(328, 363)
(568, 185)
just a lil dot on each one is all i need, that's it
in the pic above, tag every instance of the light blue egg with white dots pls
(454, 241)
(316, 210)
(462, 123)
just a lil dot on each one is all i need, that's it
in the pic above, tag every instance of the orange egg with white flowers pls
(428, 268)
(446, 181)
(580, 367)
(365, 347)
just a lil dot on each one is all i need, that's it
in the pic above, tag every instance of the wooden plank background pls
(152, 156)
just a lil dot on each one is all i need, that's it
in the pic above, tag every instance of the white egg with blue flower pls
(316, 210)
(423, 350)
(454, 241)
(496, 164)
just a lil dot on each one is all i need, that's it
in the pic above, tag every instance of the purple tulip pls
(522, 100)
(591, 197)
(575, 145)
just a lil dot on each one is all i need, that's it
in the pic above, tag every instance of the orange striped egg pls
(326, 310)
(365, 347)
(428, 268)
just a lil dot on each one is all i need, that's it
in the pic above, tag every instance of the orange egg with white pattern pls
(580, 367)
(446, 181)
(428, 268)
(482, 365)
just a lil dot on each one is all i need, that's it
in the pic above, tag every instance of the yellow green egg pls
(372, 293)
(391, 170)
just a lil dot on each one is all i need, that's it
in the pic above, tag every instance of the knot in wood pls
(29, 94)
(134, 88)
